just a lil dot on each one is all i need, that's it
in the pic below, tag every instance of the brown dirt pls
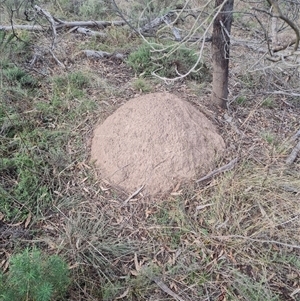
(156, 140)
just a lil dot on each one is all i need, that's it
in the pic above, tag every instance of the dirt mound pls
(155, 140)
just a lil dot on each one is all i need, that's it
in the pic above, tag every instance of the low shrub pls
(167, 61)
(34, 276)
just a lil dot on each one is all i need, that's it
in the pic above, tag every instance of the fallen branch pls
(284, 93)
(174, 29)
(292, 157)
(25, 27)
(217, 171)
(156, 22)
(89, 32)
(101, 24)
(63, 24)
(102, 54)
(296, 136)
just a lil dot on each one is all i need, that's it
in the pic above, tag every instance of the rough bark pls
(220, 52)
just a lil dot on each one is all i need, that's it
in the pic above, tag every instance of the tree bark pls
(220, 52)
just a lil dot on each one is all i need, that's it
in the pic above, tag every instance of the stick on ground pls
(217, 171)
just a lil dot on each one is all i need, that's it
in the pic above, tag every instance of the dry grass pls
(237, 237)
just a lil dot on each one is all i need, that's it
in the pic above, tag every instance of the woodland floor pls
(234, 237)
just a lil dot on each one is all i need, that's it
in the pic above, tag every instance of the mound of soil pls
(156, 140)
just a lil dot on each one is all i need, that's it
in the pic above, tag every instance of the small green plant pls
(268, 137)
(167, 62)
(241, 99)
(268, 103)
(34, 276)
(141, 85)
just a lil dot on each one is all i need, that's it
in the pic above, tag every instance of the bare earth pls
(156, 141)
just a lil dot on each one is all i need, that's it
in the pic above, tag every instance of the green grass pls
(34, 133)
(142, 85)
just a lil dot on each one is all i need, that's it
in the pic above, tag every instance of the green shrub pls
(165, 60)
(34, 276)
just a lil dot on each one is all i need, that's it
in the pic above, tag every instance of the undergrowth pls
(168, 62)
(34, 130)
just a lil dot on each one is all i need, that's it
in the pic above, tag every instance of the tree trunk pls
(220, 52)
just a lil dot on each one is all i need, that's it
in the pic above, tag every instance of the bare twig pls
(56, 59)
(217, 171)
(209, 21)
(174, 29)
(133, 195)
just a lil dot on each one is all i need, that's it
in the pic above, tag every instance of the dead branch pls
(89, 32)
(174, 29)
(156, 22)
(50, 19)
(296, 136)
(63, 24)
(102, 54)
(119, 12)
(284, 46)
(25, 27)
(100, 24)
(217, 171)
(279, 14)
(56, 59)
(292, 157)
(292, 94)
